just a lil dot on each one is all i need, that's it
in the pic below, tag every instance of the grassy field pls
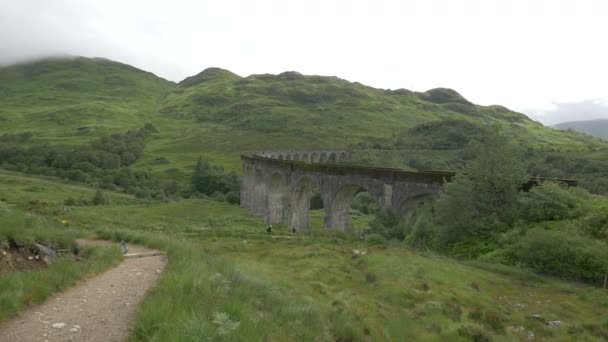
(227, 280)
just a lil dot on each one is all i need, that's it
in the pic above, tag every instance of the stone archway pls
(299, 215)
(338, 210)
(332, 158)
(408, 207)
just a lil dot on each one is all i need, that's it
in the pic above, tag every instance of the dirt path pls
(100, 308)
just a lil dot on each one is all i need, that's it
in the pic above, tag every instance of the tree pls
(483, 199)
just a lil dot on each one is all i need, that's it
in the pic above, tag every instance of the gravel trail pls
(100, 308)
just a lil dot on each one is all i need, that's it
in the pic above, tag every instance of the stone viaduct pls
(279, 185)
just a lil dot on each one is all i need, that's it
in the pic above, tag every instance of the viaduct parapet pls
(279, 185)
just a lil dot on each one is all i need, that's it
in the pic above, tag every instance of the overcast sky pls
(544, 58)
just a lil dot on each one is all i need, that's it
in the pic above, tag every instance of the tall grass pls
(199, 287)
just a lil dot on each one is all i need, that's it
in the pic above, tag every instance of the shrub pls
(364, 203)
(142, 193)
(549, 201)
(208, 179)
(233, 197)
(388, 224)
(100, 198)
(376, 239)
(218, 196)
(564, 255)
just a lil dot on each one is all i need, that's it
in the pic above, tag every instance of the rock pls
(123, 247)
(518, 328)
(530, 335)
(48, 255)
(74, 330)
(554, 324)
(358, 253)
(30, 258)
(60, 325)
(537, 317)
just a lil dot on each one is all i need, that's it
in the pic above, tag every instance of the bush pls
(549, 201)
(388, 224)
(100, 198)
(218, 197)
(208, 179)
(376, 239)
(364, 203)
(233, 197)
(142, 193)
(564, 255)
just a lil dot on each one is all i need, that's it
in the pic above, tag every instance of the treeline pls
(105, 163)
(213, 181)
(483, 214)
(102, 163)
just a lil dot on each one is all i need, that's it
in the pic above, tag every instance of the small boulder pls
(48, 255)
(60, 325)
(555, 324)
(358, 253)
(123, 247)
(530, 335)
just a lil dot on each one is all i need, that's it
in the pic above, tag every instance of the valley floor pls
(226, 280)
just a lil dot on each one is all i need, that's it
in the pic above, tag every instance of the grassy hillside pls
(216, 114)
(597, 128)
(69, 99)
(310, 288)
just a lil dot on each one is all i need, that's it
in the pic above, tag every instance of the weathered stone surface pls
(279, 185)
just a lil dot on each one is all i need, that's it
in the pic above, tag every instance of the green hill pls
(70, 98)
(216, 114)
(597, 128)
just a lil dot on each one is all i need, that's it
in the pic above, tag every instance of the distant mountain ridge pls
(597, 127)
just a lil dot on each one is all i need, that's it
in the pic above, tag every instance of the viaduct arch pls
(279, 185)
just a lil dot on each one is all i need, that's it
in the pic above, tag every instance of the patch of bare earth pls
(100, 308)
